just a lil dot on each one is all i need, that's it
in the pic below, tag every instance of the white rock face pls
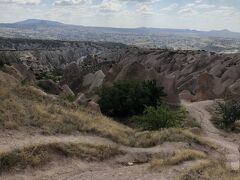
(88, 79)
(97, 80)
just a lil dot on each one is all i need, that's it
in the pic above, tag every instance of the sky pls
(182, 14)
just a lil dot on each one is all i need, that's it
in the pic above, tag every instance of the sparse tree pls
(229, 111)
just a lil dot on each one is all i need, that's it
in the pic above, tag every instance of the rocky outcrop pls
(88, 103)
(198, 75)
(87, 65)
(20, 72)
(43, 57)
(186, 96)
(49, 86)
(134, 71)
(81, 99)
(234, 89)
(97, 80)
(94, 107)
(88, 79)
(13, 71)
(67, 91)
(169, 84)
(92, 81)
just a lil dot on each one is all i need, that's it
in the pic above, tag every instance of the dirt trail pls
(75, 169)
(223, 140)
(8, 142)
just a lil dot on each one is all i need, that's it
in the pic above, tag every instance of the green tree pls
(127, 98)
(155, 118)
(229, 111)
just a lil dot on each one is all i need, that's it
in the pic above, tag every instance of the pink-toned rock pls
(81, 99)
(169, 84)
(94, 106)
(217, 70)
(204, 87)
(187, 96)
(232, 73)
(234, 89)
(134, 71)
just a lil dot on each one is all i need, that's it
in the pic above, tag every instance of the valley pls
(52, 127)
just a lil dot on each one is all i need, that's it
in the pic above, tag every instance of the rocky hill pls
(45, 56)
(84, 66)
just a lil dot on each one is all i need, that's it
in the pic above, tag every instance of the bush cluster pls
(127, 98)
(155, 118)
(229, 111)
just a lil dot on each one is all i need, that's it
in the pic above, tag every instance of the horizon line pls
(139, 27)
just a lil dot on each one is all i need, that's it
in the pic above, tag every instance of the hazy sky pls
(191, 14)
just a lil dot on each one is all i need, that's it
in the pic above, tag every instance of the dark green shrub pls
(127, 98)
(24, 82)
(229, 111)
(155, 118)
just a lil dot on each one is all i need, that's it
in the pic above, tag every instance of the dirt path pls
(223, 140)
(75, 169)
(11, 141)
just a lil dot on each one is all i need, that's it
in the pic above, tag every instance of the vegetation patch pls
(226, 114)
(209, 170)
(178, 158)
(148, 138)
(39, 154)
(127, 98)
(155, 118)
(26, 106)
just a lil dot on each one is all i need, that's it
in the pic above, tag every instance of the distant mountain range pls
(38, 23)
(216, 40)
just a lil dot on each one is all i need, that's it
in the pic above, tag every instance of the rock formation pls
(84, 66)
(67, 91)
(49, 86)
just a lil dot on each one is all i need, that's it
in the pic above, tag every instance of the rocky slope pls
(194, 75)
(43, 56)
(84, 66)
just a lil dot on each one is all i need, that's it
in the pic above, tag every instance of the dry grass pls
(209, 170)
(146, 139)
(178, 158)
(27, 106)
(35, 155)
